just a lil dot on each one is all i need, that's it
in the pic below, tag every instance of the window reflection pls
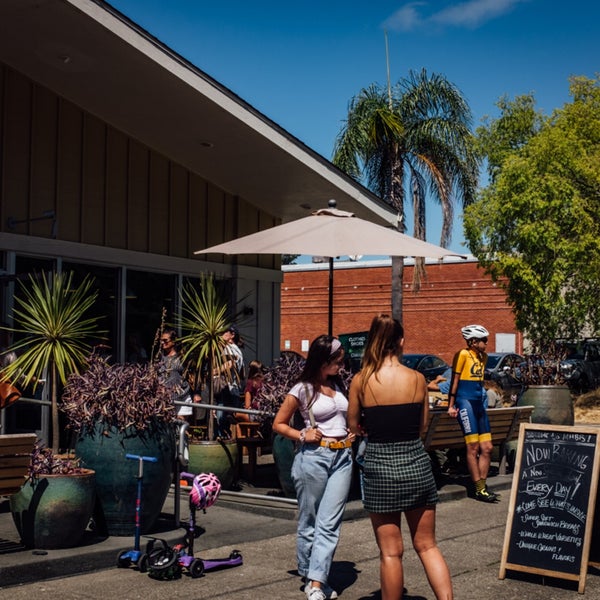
(146, 296)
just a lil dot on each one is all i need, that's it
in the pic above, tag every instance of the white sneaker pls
(313, 593)
(325, 592)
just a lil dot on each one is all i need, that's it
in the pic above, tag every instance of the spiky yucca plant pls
(51, 315)
(203, 321)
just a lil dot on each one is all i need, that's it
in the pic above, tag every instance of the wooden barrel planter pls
(104, 450)
(553, 404)
(53, 511)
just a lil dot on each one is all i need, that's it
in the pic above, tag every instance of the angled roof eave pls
(92, 55)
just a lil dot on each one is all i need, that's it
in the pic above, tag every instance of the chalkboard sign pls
(552, 502)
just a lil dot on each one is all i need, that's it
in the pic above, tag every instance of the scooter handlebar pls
(144, 458)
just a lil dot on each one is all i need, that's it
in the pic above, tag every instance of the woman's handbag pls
(8, 394)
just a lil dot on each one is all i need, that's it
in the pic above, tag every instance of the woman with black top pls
(389, 402)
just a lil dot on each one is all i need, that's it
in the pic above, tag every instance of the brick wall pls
(454, 294)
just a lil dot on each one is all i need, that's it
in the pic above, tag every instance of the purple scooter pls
(205, 490)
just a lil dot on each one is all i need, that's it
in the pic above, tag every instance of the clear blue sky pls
(301, 62)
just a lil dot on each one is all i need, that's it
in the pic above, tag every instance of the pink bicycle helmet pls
(206, 488)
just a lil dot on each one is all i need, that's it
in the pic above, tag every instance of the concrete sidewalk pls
(470, 534)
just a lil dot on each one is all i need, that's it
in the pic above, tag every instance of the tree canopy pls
(407, 142)
(536, 227)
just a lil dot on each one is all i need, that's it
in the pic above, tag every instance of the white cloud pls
(405, 18)
(471, 13)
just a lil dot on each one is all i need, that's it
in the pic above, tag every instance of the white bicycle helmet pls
(474, 332)
(206, 488)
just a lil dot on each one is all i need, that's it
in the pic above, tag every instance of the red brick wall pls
(454, 295)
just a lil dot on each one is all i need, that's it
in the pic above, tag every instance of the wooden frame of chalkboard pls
(552, 502)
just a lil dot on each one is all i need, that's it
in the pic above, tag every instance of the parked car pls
(499, 362)
(429, 364)
(581, 367)
(503, 368)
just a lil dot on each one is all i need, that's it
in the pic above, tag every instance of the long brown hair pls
(383, 340)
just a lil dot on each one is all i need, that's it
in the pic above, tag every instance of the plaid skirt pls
(397, 476)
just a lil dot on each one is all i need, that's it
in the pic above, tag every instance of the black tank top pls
(393, 422)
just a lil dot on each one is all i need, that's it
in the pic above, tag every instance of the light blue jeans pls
(322, 480)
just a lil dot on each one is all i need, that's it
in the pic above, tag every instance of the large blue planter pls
(284, 452)
(53, 511)
(104, 450)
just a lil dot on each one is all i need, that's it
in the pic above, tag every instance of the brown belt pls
(337, 445)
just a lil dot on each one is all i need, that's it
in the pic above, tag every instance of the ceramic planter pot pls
(54, 510)
(553, 404)
(283, 454)
(218, 457)
(104, 448)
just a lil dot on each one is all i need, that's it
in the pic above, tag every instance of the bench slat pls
(444, 431)
(15, 455)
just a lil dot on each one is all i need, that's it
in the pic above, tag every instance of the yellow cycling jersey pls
(469, 368)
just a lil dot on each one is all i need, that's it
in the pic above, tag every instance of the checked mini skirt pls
(397, 476)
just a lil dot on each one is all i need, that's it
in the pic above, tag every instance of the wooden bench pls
(15, 456)
(444, 431)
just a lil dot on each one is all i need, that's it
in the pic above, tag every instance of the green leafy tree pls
(406, 142)
(288, 259)
(498, 138)
(536, 227)
(50, 314)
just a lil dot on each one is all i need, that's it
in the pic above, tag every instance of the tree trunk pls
(397, 201)
(397, 287)
(211, 400)
(55, 427)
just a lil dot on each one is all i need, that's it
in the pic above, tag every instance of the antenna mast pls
(387, 62)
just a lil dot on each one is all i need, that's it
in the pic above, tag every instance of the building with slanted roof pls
(120, 158)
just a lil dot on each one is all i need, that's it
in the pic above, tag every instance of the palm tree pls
(412, 139)
(52, 316)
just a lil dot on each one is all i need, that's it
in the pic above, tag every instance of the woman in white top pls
(322, 468)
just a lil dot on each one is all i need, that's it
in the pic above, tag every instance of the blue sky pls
(300, 63)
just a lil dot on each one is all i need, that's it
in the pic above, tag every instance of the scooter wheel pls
(123, 561)
(235, 554)
(143, 563)
(196, 568)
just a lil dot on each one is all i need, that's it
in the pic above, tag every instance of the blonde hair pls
(383, 341)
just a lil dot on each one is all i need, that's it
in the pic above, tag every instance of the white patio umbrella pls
(330, 232)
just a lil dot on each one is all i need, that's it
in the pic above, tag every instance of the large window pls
(105, 281)
(147, 294)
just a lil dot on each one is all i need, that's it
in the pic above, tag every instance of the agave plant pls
(203, 321)
(51, 316)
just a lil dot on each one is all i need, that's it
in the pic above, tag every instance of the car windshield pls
(410, 360)
(492, 361)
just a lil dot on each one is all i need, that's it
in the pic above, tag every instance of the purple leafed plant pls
(44, 462)
(119, 395)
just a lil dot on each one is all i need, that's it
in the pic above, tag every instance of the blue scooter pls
(126, 558)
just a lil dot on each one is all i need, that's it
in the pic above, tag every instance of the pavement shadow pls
(376, 595)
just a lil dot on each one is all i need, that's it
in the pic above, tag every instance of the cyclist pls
(466, 401)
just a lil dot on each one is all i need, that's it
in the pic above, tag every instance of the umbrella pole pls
(330, 330)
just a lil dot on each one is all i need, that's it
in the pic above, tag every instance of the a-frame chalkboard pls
(552, 502)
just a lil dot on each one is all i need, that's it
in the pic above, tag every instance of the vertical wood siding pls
(106, 188)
